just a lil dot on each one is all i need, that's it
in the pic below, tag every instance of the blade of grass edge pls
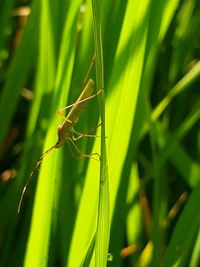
(103, 225)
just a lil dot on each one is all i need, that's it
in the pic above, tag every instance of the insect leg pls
(80, 135)
(78, 102)
(71, 151)
(82, 154)
(62, 116)
(91, 64)
(85, 135)
(31, 174)
(94, 128)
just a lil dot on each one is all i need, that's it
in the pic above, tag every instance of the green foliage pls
(140, 203)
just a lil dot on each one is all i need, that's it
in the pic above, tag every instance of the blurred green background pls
(151, 53)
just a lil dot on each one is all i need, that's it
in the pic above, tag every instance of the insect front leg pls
(62, 116)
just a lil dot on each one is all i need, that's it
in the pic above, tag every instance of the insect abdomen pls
(77, 109)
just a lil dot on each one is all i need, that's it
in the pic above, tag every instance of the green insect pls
(66, 131)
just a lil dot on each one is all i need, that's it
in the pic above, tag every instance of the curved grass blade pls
(188, 223)
(50, 176)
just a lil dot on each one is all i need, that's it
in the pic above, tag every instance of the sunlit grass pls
(147, 62)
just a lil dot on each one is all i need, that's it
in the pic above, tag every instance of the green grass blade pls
(126, 104)
(190, 120)
(50, 176)
(183, 84)
(5, 11)
(89, 252)
(195, 259)
(187, 167)
(188, 223)
(134, 209)
(149, 68)
(103, 224)
(121, 106)
(23, 60)
(37, 244)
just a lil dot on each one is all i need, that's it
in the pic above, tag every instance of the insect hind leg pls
(82, 155)
(80, 135)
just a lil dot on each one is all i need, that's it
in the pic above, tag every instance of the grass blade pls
(103, 224)
(188, 223)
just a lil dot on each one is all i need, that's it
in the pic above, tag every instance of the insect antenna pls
(31, 174)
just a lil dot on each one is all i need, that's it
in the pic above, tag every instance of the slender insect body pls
(66, 129)
(77, 109)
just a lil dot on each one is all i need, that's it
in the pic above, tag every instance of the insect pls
(66, 131)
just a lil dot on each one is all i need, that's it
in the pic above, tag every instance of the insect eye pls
(57, 144)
